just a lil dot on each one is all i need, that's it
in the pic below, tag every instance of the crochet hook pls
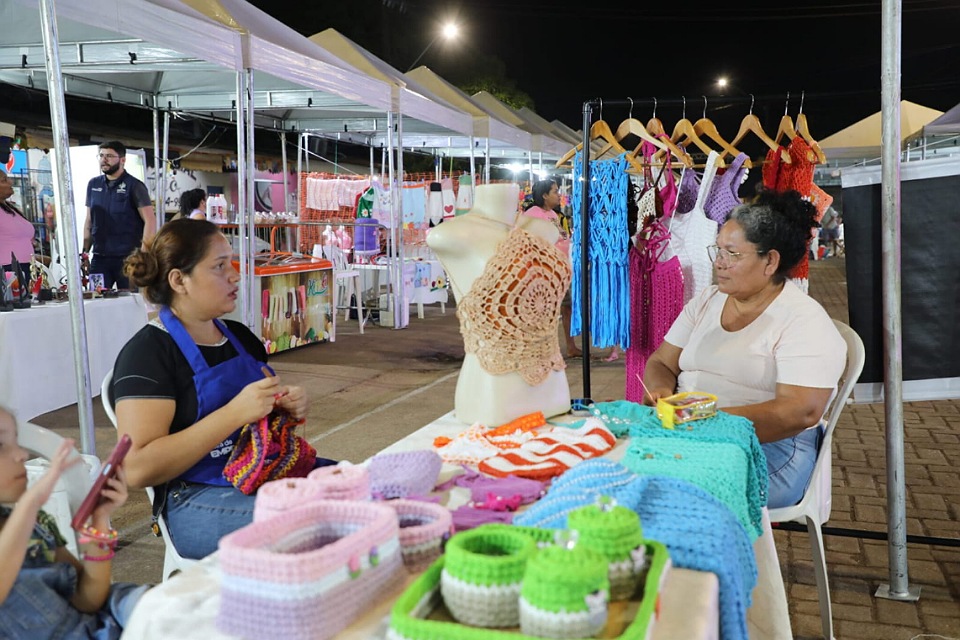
(645, 390)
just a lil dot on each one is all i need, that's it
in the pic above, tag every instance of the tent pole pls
(890, 79)
(486, 162)
(66, 219)
(371, 163)
(301, 185)
(162, 209)
(395, 192)
(473, 163)
(158, 204)
(242, 207)
(251, 186)
(283, 169)
(584, 250)
(399, 307)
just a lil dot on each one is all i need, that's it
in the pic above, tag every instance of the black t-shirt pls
(151, 365)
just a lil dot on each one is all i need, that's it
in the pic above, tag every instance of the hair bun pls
(141, 268)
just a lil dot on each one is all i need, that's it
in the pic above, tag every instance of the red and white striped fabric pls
(552, 452)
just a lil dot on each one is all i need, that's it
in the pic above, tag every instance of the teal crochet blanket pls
(700, 532)
(625, 418)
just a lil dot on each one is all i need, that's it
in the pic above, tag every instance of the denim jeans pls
(38, 607)
(198, 515)
(789, 466)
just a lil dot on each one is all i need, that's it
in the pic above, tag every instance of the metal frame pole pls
(584, 241)
(400, 307)
(165, 151)
(242, 212)
(394, 186)
(890, 78)
(283, 170)
(158, 204)
(63, 196)
(250, 187)
(473, 165)
(486, 162)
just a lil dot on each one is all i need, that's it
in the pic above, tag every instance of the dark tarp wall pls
(930, 245)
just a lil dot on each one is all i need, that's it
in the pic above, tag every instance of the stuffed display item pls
(268, 449)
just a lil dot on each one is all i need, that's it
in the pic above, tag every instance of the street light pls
(448, 32)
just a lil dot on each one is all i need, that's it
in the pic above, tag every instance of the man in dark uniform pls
(120, 215)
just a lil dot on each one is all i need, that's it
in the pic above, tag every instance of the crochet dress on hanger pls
(509, 317)
(606, 252)
(691, 234)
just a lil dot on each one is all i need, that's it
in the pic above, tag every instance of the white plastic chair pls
(73, 485)
(344, 278)
(814, 508)
(172, 560)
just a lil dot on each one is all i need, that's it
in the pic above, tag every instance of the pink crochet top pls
(562, 243)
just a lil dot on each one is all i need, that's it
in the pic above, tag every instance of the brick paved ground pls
(857, 567)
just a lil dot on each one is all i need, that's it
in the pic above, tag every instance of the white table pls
(424, 282)
(36, 351)
(186, 606)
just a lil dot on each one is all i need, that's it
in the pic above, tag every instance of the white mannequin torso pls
(464, 245)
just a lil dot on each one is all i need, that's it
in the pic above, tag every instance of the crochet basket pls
(565, 593)
(307, 573)
(616, 535)
(404, 474)
(278, 496)
(413, 614)
(425, 528)
(482, 575)
(343, 481)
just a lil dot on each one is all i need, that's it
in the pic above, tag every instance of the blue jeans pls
(790, 465)
(198, 515)
(38, 607)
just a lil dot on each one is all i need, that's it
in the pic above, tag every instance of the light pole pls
(448, 32)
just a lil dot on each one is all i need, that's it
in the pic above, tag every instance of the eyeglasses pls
(108, 156)
(727, 257)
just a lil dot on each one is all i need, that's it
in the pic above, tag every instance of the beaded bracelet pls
(101, 544)
(89, 558)
(110, 535)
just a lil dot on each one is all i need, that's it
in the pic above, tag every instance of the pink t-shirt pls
(563, 243)
(16, 235)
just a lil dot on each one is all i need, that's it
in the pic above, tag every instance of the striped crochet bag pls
(268, 449)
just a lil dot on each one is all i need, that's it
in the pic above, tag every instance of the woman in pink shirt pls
(546, 198)
(16, 232)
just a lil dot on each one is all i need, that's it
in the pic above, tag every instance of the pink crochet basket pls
(307, 573)
(343, 481)
(282, 495)
(425, 528)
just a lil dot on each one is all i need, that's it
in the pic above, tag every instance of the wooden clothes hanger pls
(804, 130)
(785, 127)
(705, 127)
(600, 130)
(751, 124)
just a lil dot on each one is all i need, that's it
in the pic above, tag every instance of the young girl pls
(44, 591)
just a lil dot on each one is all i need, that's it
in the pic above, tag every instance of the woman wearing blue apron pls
(185, 384)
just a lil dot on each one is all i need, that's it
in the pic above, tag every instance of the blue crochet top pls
(700, 532)
(629, 418)
(607, 252)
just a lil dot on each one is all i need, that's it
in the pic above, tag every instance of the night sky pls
(562, 53)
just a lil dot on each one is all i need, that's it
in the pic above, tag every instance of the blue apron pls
(216, 386)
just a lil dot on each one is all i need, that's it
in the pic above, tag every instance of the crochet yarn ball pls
(404, 474)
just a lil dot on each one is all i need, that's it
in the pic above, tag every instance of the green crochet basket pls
(616, 535)
(410, 613)
(565, 593)
(482, 575)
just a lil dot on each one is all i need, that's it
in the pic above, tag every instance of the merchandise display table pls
(36, 360)
(689, 605)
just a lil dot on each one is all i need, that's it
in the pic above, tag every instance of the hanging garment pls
(464, 195)
(607, 252)
(687, 191)
(414, 205)
(435, 204)
(691, 233)
(448, 199)
(724, 194)
(365, 202)
(796, 176)
(509, 317)
(382, 205)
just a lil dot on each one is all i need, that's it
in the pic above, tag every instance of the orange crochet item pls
(441, 441)
(523, 423)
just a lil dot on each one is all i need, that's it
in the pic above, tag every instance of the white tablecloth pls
(36, 351)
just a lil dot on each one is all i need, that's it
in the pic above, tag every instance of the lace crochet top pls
(724, 196)
(509, 317)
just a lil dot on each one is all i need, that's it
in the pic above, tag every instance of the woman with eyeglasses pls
(767, 351)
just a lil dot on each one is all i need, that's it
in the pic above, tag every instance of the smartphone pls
(108, 471)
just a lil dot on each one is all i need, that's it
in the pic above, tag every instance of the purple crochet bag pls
(404, 474)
